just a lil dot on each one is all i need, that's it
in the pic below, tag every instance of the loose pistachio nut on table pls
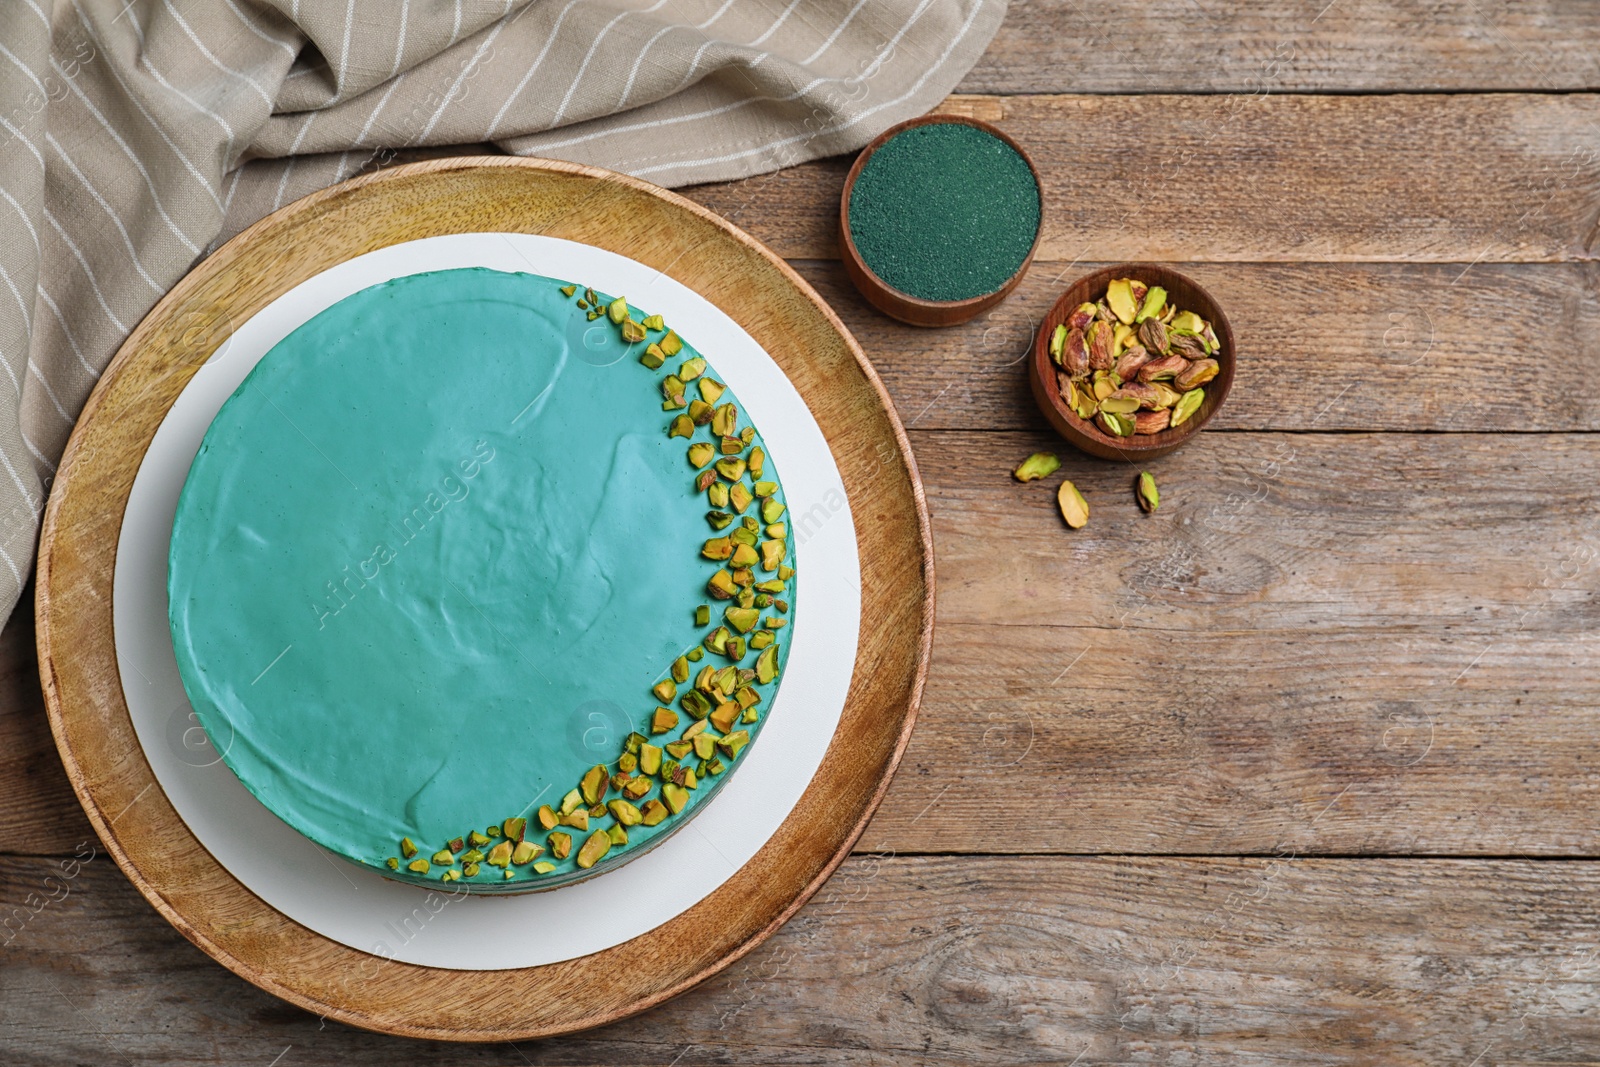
(1133, 363)
(1074, 507)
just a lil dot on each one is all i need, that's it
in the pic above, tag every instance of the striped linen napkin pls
(139, 134)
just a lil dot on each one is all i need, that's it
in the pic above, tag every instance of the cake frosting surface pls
(429, 562)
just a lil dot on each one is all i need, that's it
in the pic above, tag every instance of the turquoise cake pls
(482, 578)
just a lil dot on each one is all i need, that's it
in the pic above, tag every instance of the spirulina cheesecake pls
(482, 578)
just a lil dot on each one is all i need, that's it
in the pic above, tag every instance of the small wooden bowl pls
(1188, 295)
(903, 306)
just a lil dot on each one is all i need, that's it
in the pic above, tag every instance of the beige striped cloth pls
(135, 135)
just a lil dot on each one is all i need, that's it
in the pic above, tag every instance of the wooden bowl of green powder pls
(939, 219)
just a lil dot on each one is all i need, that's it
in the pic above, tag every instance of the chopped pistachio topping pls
(598, 844)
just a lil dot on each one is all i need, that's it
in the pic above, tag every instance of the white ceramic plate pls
(441, 928)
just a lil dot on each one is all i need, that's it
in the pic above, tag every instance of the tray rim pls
(57, 691)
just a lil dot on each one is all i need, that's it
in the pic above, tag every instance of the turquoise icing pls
(429, 560)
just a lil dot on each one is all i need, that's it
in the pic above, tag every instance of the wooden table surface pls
(1299, 769)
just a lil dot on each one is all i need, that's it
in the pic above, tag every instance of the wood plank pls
(1336, 346)
(1409, 178)
(38, 813)
(1405, 623)
(937, 960)
(1281, 46)
(1409, 618)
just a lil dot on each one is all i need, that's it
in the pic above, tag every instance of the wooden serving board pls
(83, 690)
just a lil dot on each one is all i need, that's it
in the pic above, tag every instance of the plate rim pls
(53, 604)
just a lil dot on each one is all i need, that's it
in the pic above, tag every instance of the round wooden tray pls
(83, 691)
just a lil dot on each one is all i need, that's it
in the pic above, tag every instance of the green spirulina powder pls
(944, 211)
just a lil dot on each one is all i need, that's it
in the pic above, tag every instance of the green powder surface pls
(944, 211)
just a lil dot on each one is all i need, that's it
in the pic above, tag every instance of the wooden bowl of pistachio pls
(1132, 361)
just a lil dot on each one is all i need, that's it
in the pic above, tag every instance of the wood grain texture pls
(1422, 178)
(1410, 618)
(1281, 46)
(933, 961)
(1322, 346)
(1406, 622)
(77, 658)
